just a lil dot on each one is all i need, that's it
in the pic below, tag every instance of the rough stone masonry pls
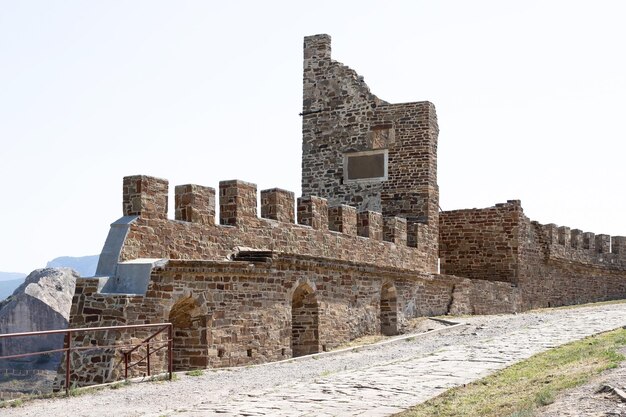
(357, 254)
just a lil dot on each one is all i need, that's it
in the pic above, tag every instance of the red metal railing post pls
(68, 353)
(68, 346)
(148, 355)
(169, 350)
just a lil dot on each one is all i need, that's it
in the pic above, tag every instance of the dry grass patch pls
(520, 389)
(195, 372)
(361, 341)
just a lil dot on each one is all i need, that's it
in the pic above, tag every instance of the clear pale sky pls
(530, 95)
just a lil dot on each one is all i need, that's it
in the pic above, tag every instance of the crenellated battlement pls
(496, 243)
(563, 242)
(238, 205)
(307, 229)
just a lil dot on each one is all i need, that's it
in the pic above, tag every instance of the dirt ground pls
(587, 401)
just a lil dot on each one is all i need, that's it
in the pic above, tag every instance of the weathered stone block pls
(278, 204)
(395, 230)
(145, 196)
(618, 245)
(342, 219)
(577, 238)
(313, 211)
(237, 202)
(194, 203)
(370, 224)
(565, 236)
(589, 241)
(417, 234)
(317, 47)
(552, 233)
(603, 243)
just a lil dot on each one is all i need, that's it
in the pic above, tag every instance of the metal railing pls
(126, 349)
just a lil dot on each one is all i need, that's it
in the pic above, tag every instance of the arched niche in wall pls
(189, 321)
(304, 321)
(388, 310)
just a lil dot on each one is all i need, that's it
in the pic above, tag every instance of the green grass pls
(11, 403)
(195, 372)
(522, 388)
(17, 403)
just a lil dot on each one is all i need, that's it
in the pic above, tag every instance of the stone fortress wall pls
(232, 289)
(356, 255)
(551, 265)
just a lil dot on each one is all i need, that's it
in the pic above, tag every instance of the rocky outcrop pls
(42, 302)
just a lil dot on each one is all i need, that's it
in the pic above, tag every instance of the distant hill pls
(84, 265)
(11, 276)
(7, 286)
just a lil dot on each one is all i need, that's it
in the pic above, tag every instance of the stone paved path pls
(390, 388)
(376, 382)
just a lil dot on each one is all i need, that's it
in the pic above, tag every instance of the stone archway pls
(189, 343)
(388, 310)
(304, 321)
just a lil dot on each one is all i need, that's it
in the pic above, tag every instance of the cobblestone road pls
(377, 381)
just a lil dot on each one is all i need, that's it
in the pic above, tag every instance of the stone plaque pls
(366, 166)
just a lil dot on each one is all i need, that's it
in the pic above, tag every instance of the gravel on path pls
(379, 380)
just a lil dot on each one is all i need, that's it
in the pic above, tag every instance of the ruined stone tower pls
(362, 151)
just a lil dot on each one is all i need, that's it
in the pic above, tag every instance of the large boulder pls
(42, 302)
